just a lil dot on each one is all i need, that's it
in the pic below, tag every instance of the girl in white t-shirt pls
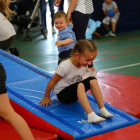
(6, 110)
(7, 31)
(73, 78)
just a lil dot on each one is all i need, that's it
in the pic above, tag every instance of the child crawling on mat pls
(73, 78)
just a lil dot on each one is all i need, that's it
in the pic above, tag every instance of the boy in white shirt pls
(108, 5)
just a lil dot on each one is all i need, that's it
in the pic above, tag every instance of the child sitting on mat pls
(73, 78)
(66, 37)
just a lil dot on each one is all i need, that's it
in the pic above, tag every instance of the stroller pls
(26, 19)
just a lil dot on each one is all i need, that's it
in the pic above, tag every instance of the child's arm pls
(71, 7)
(105, 12)
(70, 22)
(57, 3)
(116, 10)
(46, 99)
(63, 42)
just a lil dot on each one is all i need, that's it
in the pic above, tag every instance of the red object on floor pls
(38, 123)
(120, 91)
(128, 133)
(7, 132)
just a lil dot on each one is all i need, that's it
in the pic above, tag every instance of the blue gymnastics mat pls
(26, 85)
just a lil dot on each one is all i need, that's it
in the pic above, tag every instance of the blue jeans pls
(43, 11)
(51, 5)
(61, 6)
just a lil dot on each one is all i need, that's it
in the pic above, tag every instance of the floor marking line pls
(117, 39)
(37, 51)
(119, 50)
(46, 62)
(116, 55)
(95, 59)
(121, 67)
(95, 43)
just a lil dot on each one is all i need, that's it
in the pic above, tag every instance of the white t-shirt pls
(70, 74)
(83, 6)
(6, 28)
(113, 5)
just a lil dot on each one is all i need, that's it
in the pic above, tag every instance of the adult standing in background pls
(79, 11)
(43, 4)
(61, 6)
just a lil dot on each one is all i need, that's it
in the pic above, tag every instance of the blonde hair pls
(82, 45)
(4, 7)
(60, 14)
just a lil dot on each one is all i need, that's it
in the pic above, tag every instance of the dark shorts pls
(2, 80)
(63, 55)
(4, 45)
(69, 94)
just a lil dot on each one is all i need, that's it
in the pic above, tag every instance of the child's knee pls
(81, 86)
(4, 114)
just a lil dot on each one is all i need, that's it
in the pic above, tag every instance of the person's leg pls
(4, 45)
(113, 26)
(113, 30)
(80, 22)
(97, 94)
(51, 5)
(114, 21)
(61, 6)
(8, 113)
(82, 97)
(43, 12)
(77, 91)
(106, 27)
(106, 22)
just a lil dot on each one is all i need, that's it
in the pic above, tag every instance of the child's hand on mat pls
(45, 101)
(58, 43)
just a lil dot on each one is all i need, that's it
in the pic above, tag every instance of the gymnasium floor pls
(120, 55)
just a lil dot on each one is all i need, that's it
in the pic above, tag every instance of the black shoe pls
(17, 51)
(14, 51)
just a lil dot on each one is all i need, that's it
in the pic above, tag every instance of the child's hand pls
(45, 101)
(58, 43)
